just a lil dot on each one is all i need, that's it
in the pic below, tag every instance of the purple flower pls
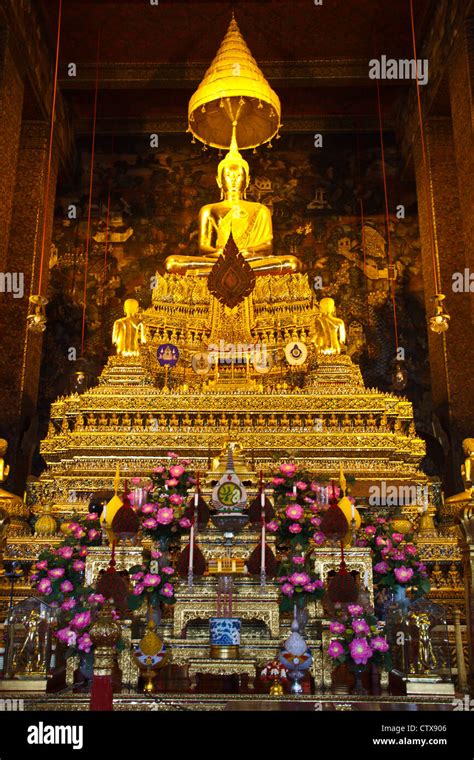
(176, 499)
(397, 537)
(294, 511)
(370, 530)
(167, 590)
(295, 528)
(301, 485)
(139, 589)
(66, 586)
(149, 523)
(379, 644)
(299, 579)
(148, 509)
(81, 620)
(84, 643)
(44, 586)
(335, 649)
(152, 580)
(278, 481)
(410, 549)
(403, 574)
(288, 469)
(337, 627)
(137, 576)
(167, 570)
(65, 551)
(96, 599)
(316, 521)
(67, 636)
(92, 534)
(287, 589)
(78, 565)
(398, 554)
(360, 651)
(360, 627)
(298, 560)
(184, 522)
(165, 515)
(381, 567)
(42, 565)
(56, 572)
(155, 554)
(69, 604)
(355, 610)
(319, 538)
(272, 526)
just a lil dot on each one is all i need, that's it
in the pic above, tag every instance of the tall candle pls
(294, 489)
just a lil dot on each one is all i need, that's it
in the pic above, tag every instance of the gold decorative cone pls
(234, 90)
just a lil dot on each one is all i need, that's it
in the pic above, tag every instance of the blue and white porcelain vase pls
(224, 637)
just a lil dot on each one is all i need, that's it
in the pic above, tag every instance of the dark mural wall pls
(328, 208)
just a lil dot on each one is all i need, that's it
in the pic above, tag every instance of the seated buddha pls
(249, 222)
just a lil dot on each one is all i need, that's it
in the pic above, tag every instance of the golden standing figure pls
(426, 658)
(128, 332)
(30, 657)
(330, 330)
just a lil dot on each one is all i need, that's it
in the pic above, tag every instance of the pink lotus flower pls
(136, 481)
(68, 604)
(370, 530)
(335, 649)
(299, 579)
(316, 521)
(381, 520)
(310, 588)
(411, 550)
(172, 455)
(92, 534)
(44, 586)
(176, 499)
(295, 528)
(421, 567)
(301, 485)
(294, 511)
(167, 570)
(56, 572)
(380, 541)
(78, 533)
(171, 483)
(337, 627)
(397, 537)
(81, 620)
(176, 471)
(288, 469)
(319, 538)
(272, 526)
(152, 580)
(84, 643)
(184, 523)
(150, 523)
(96, 598)
(91, 517)
(298, 560)
(360, 627)
(66, 586)
(381, 568)
(83, 551)
(65, 552)
(155, 554)
(167, 590)
(403, 574)
(78, 565)
(379, 644)
(287, 589)
(165, 516)
(278, 481)
(360, 651)
(398, 554)
(139, 589)
(158, 469)
(355, 610)
(136, 576)
(42, 565)
(67, 636)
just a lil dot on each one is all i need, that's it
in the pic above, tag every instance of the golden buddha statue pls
(358, 422)
(128, 332)
(223, 420)
(371, 423)
(466, 473)
(211, 421)
(138, 420)
(330, 330)
(174, 421)
(198, 420)
(346, 422)
(162, 421)
(260, 420)
(249, 222)
(103, 421)
(127, 421)
(30, 657)
(91, 420)
(234, 420)
(333, 421)
(297, 421)
(114, 421)
(285, 420)
(248, 420)
(272, 421)
(79, 421)
(151, 421)
(384, 422)
(187, 421)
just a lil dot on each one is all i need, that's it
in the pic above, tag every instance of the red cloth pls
(101, 693)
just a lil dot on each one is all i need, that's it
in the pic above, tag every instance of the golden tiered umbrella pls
(234, 93)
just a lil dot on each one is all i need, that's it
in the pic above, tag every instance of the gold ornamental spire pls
(234, 94)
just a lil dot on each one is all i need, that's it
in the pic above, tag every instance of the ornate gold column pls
(439, 197)
(465, 520)
(21, 349)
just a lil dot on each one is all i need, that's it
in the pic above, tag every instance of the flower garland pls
(357, 639)
(151, 583)
(395, 557)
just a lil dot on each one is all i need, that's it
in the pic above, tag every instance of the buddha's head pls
(233, 173)
(130, 307)
(327, 306)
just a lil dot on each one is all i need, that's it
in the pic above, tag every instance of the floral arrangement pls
(298, 584)
(151, 583)
(395, 557)
(163, 516)
(59, 577)
(357, 639)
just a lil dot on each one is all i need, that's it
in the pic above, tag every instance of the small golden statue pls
(234, 420)
(103, 421)
(128, 332)
(330, 330)
(138, 420)
(198, 421)
(425, 662)
(29, 660)
(260, 420)
(174, 421)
